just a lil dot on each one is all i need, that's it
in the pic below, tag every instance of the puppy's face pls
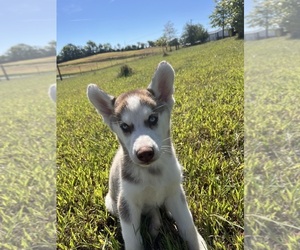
(141, 124)
(140, 118)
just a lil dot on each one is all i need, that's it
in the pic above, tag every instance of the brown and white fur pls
(145, 172)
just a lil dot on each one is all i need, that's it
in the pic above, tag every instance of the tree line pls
(25, 52)
(192, 34)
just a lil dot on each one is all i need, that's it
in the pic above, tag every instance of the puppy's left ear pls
(52, 92)
(162, 84)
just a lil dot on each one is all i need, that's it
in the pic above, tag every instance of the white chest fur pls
(154, 186)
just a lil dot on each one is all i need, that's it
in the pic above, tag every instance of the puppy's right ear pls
(103, 102)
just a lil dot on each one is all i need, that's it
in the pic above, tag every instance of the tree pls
(169, 32)
(220, 16)
(278, 14)
(70, 52)
(51, 48)
(236, 17)
(107, 47)
(264, 15)
(100, 48)
(143, 45)
(162, 42)
(23, 52)
(194, 33)
(151, 43)
(229, 14)
(90, 48)
(289, 11)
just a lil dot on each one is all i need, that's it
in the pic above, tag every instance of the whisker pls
(168, 138)
(159, 107)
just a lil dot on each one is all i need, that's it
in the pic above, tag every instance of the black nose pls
(145, 154)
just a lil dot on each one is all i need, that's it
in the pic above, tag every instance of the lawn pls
(207, 131)
(27, 164)
(105, 60)
(272, 152)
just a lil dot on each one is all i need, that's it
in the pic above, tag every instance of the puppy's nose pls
(145, 154)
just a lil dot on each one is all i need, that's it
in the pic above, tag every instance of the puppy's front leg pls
(130, 218)
(178, 207)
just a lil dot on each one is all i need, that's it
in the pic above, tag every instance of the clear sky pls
(32, 22)
(37, 22)
(125, 21)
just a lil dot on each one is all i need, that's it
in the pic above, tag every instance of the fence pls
(263, 34)
(216, 35)
(26, 68)
(102, 61)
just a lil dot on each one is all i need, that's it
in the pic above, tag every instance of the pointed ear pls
(52, 92)
(162, 84)
(103, 102)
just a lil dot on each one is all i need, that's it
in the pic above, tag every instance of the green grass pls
(272, 156)
(27, 164)
(207, 131)
(105, 60)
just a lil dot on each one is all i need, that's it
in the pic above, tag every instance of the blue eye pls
(125, 127)
(153, 119)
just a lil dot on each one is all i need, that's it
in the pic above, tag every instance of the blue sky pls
(36, 22)
(125, 21)
(32, 22)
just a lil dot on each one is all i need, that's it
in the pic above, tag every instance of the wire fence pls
(22, 69)
(263, 34)
(102, 61)
(220, 34)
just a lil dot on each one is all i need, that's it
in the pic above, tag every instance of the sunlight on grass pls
(27, 164)
(272, 155)
(207, 131)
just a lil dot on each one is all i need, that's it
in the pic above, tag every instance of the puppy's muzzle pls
(145, 154)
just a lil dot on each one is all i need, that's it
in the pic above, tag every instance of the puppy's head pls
(140, 118)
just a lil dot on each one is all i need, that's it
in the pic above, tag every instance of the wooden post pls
(59, 72)
(4, 72)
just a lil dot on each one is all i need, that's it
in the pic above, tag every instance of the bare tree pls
(169, 33)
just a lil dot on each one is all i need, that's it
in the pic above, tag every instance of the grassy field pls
(272, 152)
(27, 164)
(207, 131)
(33, 66)
(105, 60)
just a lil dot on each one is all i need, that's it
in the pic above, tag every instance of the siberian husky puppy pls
(145, 172)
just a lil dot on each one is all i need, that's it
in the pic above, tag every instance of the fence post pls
(4, 72)
(59, 72)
